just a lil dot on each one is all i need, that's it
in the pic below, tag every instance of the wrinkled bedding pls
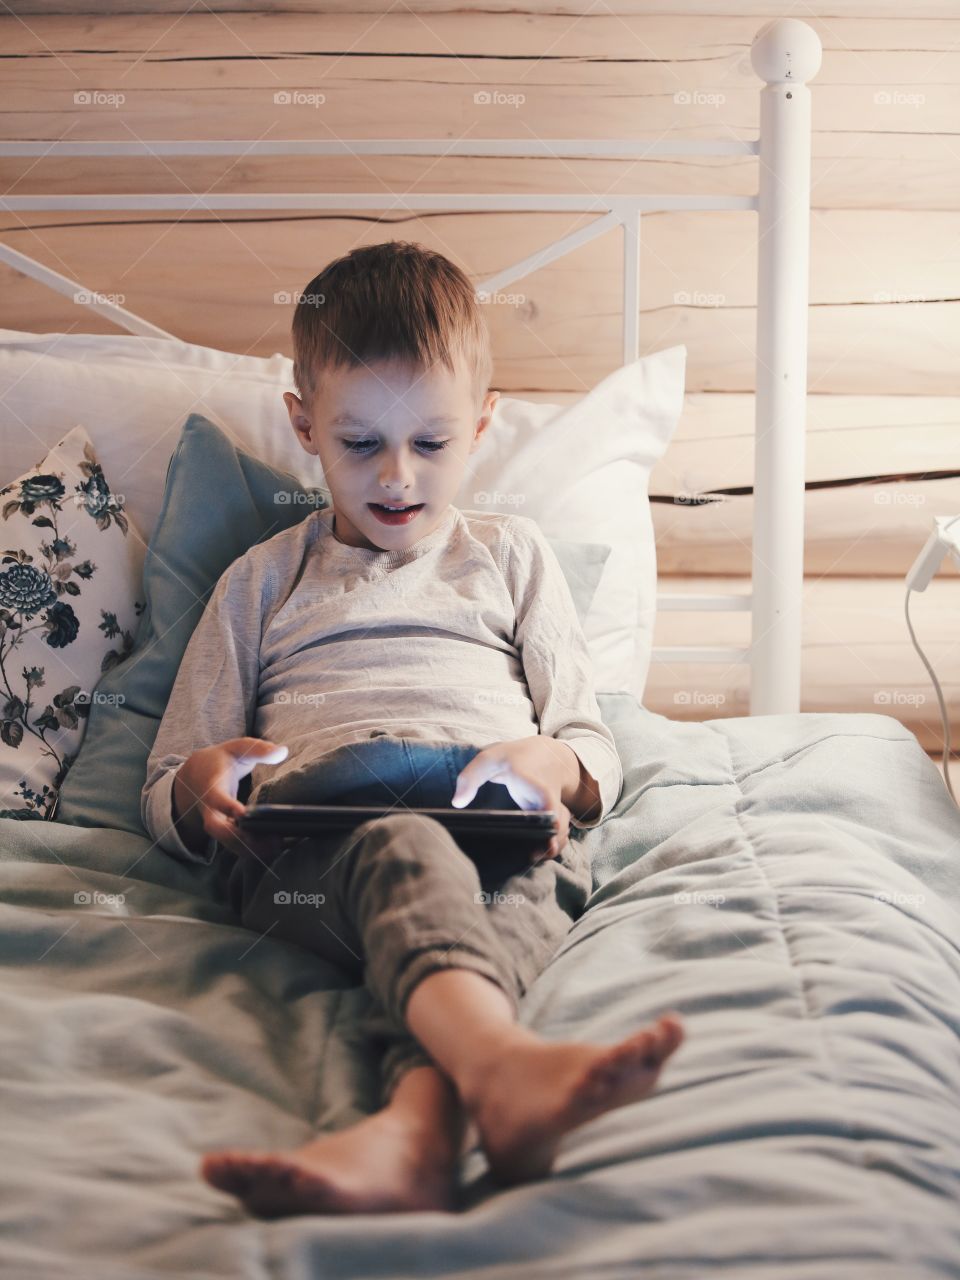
(790, 885)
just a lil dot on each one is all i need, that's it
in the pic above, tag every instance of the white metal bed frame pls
(785, 54)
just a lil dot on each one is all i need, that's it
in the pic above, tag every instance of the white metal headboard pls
(785, 54)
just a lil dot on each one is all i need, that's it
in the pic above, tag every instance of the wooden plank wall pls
(885, 266)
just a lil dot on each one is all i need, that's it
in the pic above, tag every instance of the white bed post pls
(785, 53)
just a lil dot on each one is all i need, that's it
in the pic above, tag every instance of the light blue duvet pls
(790, 885)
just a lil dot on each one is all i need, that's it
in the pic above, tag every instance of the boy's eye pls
(364, 446)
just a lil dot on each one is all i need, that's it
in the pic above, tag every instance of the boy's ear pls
(300, 421)
(486, 416)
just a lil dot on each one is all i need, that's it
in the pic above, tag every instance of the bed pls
(787, 882)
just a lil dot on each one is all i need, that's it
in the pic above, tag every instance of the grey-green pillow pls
(218, 501)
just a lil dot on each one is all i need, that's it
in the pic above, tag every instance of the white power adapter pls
(928, 562)
(944, 539)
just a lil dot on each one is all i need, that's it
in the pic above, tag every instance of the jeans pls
(398, 898)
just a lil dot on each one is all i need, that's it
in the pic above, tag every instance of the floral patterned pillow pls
(70, 571)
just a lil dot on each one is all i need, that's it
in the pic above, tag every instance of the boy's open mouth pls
(395, 515)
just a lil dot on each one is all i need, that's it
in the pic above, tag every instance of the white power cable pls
(936, 685)
(918, 579)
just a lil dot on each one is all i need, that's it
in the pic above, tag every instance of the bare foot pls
(376, 1166)
(542, 1089)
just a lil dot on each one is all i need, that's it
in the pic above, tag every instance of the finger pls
(218, 823)
(221, 828)
(527, 793)
(262, 752)
(469, 781)
(225, 803)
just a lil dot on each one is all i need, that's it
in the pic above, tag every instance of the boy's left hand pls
(532, 771)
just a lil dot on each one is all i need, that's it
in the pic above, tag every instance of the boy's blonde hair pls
(395, 300)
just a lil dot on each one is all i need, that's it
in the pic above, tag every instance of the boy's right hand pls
(205, 795)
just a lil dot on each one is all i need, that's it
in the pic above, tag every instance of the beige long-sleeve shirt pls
(469, 636)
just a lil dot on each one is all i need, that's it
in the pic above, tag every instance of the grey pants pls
(398, 898)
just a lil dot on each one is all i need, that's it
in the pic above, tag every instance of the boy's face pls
(391, 433)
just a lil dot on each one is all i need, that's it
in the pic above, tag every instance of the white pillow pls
(581, 471)
(71, 571)
(134, 395)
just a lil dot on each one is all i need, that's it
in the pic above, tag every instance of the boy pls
(432, 657)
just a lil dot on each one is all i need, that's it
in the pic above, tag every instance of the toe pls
(227, 1171)
(638, 1048)
(670, 1033)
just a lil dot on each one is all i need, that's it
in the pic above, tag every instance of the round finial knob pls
(786, 50)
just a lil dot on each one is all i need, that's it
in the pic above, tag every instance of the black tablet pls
(475, 830)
